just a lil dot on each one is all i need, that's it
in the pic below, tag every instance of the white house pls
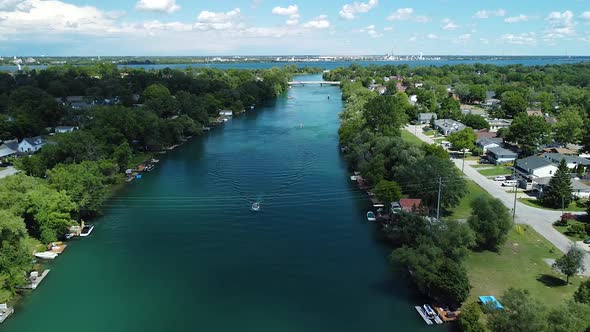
(486, 143)
(424, 118)
(499, 156)
(579, 189)
(573, 162)
(31, 144)
(496, 124)
(65, 129)
(448, 126)
(8, 149)
(534, 167)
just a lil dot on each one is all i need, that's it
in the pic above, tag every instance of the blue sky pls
(270, 27)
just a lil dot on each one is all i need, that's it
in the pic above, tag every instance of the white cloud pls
(585, 15)
(10, 5)
(489, 13)
(484, 41)
(292, 11)
(320, 22)
(387, 28)
(449, 25)
(349, 11)
(517, 19)
(371, 30)
(528, 38)
(407, 14)
(560, 25)
(431, 36)
(413, 38)
(463, 39)
(218, 21)
(167, 6)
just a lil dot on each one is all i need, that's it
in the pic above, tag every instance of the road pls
(8, 171)
(540, 220)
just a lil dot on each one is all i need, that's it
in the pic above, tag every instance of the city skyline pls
(264, 27)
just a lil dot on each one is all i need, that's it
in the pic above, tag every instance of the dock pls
(428, 319)
(5, 312)
(35, 280)
(57, 247)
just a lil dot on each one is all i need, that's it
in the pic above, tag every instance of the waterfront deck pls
(427, 319)
(5, 312)
(35, 281)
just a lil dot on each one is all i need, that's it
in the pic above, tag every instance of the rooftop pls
(498, 151)
(570, 159)
(533, 162)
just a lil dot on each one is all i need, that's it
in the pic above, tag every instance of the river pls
(180, 250)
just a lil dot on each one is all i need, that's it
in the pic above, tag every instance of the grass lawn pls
(2, 168)
(138, 158)
(430, 132)
(463, 210)
(410, 138)
(578, 206)
(520, 264)
(496, 170)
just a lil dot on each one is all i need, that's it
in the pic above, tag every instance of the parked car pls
(510, 183)
(500, 178)
(587, 241)
(484, 161)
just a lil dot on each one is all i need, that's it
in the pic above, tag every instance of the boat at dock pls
(255, 207)
(428, 314)
(371, 216)
(46, 255)
(5, 312)
(86, 230)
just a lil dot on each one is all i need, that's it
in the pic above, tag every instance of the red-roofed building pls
(485, 133)
(407, 205)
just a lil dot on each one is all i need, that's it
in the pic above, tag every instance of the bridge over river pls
(320, 83)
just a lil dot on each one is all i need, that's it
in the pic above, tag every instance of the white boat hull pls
(46, 255)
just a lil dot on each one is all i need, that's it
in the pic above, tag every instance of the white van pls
(510, 183)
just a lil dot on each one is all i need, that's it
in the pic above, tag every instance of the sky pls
(297, 27)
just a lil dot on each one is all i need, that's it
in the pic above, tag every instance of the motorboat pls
(371, 216)
(46, 255)
(86, 230)
(255, 207)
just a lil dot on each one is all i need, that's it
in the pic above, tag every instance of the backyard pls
(495, 171)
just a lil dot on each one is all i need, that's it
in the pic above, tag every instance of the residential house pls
(496, 124)
(400, 87)
(413, 100)
(65, 129)
(487, 143)
(448, 126)
(535, 167)
(534, 112)
(470, 109)
(424, 118)
(579, 189)
(31, 144)
(226, 113)
(408, 205)
(485, 133)
(498, 155)
(573, 162)
(8, 149)
(560, 150)
(491, 101)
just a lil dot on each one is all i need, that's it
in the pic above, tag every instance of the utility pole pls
(562, 204)
(515, 190)
(463, 166)
(438, 203)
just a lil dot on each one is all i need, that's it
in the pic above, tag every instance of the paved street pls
(8, 171)
(540, 220)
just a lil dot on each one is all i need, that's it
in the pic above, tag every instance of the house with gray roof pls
(573, 161)
(424, 118)
(8, 150)
(448, 126)
(498, 155)
(579, 189)
(486, 143)
(534, 167)
(31, 144)
(65, 129)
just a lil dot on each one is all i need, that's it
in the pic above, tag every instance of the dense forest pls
(122, 116)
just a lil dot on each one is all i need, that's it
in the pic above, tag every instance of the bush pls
(577, 229)
(565, 218)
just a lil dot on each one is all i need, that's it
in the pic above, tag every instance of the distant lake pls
(525, 61)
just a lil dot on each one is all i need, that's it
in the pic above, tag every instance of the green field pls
(410, 138)
(430, 132)
(495, 171)
(577, 206)
(520, 264)
(463, 210)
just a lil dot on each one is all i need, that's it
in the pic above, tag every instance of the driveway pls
(540, 220)
(8, 171)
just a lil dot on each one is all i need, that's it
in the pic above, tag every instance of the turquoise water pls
(180, 250)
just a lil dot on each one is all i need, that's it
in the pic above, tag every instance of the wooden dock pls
(428, 319)
(5, 312)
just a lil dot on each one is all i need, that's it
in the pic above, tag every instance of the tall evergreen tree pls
(559, 190)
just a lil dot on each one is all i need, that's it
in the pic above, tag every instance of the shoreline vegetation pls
(449, 261)
(120, 118)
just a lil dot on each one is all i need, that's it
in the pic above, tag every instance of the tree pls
(569, 127)
(529, 132)
(490, 220)
(570, 316)
(571, 263)
(477, 92)
(582, 294)
(387, 191)
(463, 140)
(49, 213)
(513, 103)
(386, 114)
(436, 151)
(470, 318)
(475, 121)
(521, 313)
(559, 190)
(15, 257)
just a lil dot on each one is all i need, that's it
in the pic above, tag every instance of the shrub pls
(577, 229)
